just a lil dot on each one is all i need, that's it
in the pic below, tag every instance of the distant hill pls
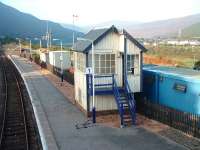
(192, 31)
(72, 27)
(85, 29)
(117, 23)
(164, 28)
(18, 24)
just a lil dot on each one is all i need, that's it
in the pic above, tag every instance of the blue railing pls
(123, 96)
(103, 76)
(131, 101)
(101, 87)
(117, 98)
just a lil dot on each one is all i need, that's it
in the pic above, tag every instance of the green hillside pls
(14, 23)
(192, 31)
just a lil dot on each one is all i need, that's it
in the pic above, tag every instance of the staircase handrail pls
(131, 100)
(117, 95)
(128, 89)
(115, 87)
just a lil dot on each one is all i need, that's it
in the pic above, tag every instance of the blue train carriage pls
(118, 62)
(174, 87)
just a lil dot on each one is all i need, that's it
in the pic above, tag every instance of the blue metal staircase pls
(125, 103)
(123, 96)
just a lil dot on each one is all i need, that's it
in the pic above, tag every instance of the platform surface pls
(58, 119)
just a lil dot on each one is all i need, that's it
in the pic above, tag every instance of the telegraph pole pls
(20, 46)
(31, 50)
(40, 45)
(47, 35)
(74, 16)
(50, 37)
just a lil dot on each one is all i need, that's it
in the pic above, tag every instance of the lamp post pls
(20, 46)
(61, 58)
(93, 79)
(30, 47)
(61, 61)
(47, 35)
(194, 58)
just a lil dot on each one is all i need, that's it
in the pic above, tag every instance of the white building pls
(54, 59)
(173, 42)
(194, 43)
(183, 42)
(118, 71)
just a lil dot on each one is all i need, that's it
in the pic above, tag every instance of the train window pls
(180, 87)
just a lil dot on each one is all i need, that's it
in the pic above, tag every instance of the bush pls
(36, 58)
(197, 65)
(43, 65)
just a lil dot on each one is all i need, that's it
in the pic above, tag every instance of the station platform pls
(63, 126)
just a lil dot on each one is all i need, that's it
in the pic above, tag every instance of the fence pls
(187, 122)
(67, 76)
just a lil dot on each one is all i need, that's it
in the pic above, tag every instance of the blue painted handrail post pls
(91, 83)
(93, 115)
(93, 94)
(122, 114)
(113, 82)
(131, 100)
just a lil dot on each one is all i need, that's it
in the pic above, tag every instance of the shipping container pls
(55, 59)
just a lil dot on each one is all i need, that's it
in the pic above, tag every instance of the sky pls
(97, 11)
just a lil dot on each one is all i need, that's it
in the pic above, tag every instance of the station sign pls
(88, 70)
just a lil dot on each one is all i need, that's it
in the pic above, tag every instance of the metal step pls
(123, 98)
(123, 102)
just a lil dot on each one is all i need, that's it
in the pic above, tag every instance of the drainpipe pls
(87, 85)
(141, 71)
(125, 60)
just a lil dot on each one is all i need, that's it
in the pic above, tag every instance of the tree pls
(7, 40)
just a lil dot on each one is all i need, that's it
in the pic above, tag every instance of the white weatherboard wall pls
(43, 57)
(80, 83)
(108, 45)
(111, 45)
(134, 79)
(54, 59)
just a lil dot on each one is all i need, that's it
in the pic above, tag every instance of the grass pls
(183, 55)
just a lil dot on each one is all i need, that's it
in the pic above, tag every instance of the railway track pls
(17, 131)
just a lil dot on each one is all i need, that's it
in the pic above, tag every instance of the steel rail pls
(19, 93)
(5, 100)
